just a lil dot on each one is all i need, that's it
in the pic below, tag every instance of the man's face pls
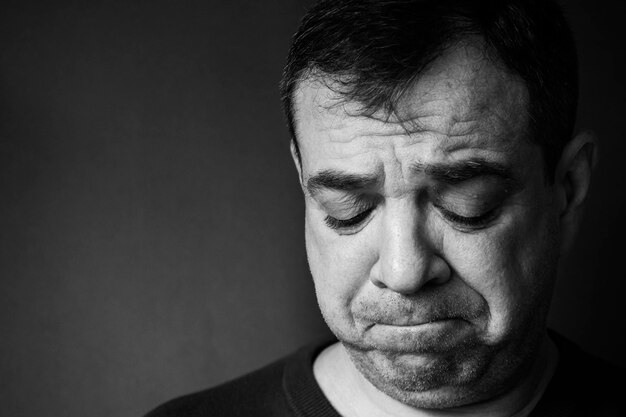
(432, 242)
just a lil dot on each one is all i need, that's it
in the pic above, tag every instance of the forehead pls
(464, 101)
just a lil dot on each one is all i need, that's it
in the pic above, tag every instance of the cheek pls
(511, 266)
(340, 266)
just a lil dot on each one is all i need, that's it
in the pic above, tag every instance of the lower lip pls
(428, 337)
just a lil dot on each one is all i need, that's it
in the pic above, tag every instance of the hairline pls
(314, 74)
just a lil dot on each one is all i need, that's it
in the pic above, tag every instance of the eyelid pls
(349, 205)
(479, 185)
(340, 201)
(353, 221)
(470, 207)
(477, 197)
(351, 225)
(470, 223)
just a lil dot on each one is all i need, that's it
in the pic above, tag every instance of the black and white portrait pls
(312, 208)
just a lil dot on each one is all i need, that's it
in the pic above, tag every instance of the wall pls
(151, 221)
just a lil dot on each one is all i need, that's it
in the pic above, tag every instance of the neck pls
(353, 395)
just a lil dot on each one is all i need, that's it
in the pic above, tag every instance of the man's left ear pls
(572, 180)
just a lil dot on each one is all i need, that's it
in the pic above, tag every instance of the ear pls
(572, 179)
(295, 155)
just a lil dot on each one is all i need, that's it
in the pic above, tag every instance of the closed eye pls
(340, 224)
(473, 222)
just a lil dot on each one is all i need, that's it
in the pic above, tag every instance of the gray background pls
(151, 237)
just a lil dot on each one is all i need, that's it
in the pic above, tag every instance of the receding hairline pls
(474, 48)
(389, 42)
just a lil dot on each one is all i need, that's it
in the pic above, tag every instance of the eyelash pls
(338, 224)
(475, 222)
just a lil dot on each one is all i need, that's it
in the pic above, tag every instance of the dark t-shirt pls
(581, 386)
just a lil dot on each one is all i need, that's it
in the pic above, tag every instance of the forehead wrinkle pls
(475, 124)
(367, 128)
(485, 125)
(462, 103)
(471, 107)
(458, 135)
(467, 96)
(428, 122)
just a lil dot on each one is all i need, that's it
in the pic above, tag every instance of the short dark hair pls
(375, 49)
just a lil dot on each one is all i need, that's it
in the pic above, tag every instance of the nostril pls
(434, 282)
(379, 283)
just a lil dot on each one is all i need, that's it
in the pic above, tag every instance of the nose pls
(408, 258)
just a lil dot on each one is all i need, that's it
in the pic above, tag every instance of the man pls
(434, 144)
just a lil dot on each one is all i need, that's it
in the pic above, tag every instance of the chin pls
(436, 381)
(438, 399)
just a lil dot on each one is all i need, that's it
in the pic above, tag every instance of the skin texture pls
(434, 312)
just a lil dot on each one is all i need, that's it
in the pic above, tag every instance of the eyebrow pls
(457, 172)
(340, 181)
(448, 173)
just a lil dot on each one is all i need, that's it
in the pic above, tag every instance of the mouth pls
(445, 326)
(415, 322)
(419, 336)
